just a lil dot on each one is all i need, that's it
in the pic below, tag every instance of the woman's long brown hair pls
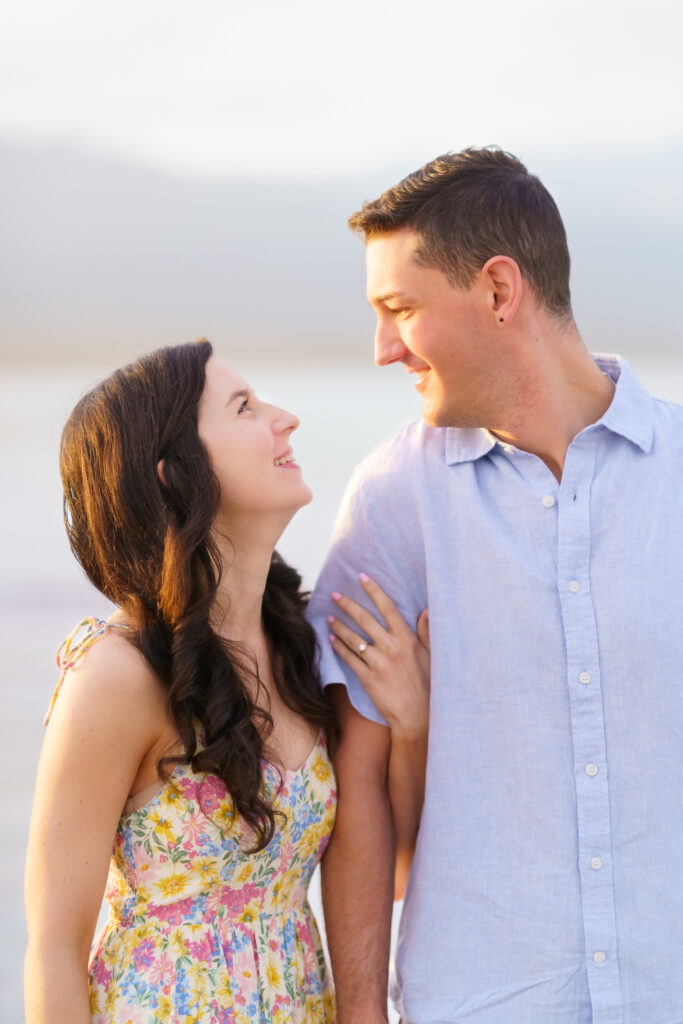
(148, 547)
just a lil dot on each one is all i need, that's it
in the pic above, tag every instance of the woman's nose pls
(284, 422)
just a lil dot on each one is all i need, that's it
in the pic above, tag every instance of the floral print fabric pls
(199, 930)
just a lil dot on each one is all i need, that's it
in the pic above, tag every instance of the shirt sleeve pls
(377, 531)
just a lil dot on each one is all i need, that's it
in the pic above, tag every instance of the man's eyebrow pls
(386, 296)
(242, 393)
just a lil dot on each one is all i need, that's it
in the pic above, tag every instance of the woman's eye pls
(244, 406)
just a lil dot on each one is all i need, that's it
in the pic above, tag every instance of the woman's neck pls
(237, 614)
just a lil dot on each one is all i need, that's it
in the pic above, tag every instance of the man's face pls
(438, 331)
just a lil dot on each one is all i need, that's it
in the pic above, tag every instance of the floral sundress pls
(199, 931)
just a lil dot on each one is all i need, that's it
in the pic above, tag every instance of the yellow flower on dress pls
(245, 873)
(321, 769)
(207, 870)
(274, 977)
(177, 946)
(223, 992)
(286, 886)
(310, 841)
(250, 912)
(170, 796)
(164, 1008)
(225, 816)
(162, 826)
(172, 885)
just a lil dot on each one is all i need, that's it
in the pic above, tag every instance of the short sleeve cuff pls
(333, 671)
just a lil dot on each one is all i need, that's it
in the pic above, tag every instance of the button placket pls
(588, 729)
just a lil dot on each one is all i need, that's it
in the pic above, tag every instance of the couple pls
(536, 512)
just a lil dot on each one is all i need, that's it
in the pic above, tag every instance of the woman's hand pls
(392, 664)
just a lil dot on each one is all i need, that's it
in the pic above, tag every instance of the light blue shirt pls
(547, 886)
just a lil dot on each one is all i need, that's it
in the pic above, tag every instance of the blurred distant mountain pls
(99, 257)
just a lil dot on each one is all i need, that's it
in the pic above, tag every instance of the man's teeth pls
(285, 458)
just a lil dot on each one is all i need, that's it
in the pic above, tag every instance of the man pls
(537, 512)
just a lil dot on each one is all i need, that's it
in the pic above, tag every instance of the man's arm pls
(406, 787)
(358, 868)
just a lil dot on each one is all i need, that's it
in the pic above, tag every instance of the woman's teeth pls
(283, 460)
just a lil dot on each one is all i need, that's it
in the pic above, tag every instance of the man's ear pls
(160, 471)
(504, 285)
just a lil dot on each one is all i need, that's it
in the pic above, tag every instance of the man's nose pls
(388, 346)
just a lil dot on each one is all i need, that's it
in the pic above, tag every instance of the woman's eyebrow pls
(242, 393)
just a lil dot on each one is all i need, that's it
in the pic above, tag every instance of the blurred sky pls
(309, 90)
(169, 169)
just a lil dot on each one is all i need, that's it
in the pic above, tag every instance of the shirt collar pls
(629, 415)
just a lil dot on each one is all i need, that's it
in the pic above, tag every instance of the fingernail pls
(330, 619)
(335, 595)
(332, 638)
(364, 578)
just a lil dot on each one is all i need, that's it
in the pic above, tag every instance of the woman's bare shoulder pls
(104, 674)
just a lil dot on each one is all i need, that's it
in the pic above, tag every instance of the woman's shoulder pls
(100, 667)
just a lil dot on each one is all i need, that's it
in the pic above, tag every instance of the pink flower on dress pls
(144, 863)
(143, 954)
(200, 950)
(212, 793)
(161, 969)
(194, 827)
(100, 973)
(286, 853)
(235, 900)
(172, 913)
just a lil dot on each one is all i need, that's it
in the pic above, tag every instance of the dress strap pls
(74, 647)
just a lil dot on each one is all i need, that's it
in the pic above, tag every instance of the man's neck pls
(565, 391)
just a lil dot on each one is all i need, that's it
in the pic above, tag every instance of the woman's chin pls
(307, 500)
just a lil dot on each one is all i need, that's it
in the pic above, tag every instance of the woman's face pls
(248, 442)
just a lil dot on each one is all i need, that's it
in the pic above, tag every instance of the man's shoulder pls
(667, 413)
(415, 445)
(667, 420)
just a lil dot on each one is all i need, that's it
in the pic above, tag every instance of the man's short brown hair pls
(469, 206)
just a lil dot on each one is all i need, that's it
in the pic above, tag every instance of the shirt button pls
(584, 677)
(574, 586)
(596, 863)
(599, 957)
(548, 501)
(591, 769)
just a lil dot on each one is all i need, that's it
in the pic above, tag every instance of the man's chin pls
(434, 414)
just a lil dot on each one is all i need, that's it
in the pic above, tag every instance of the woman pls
(189, 731)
